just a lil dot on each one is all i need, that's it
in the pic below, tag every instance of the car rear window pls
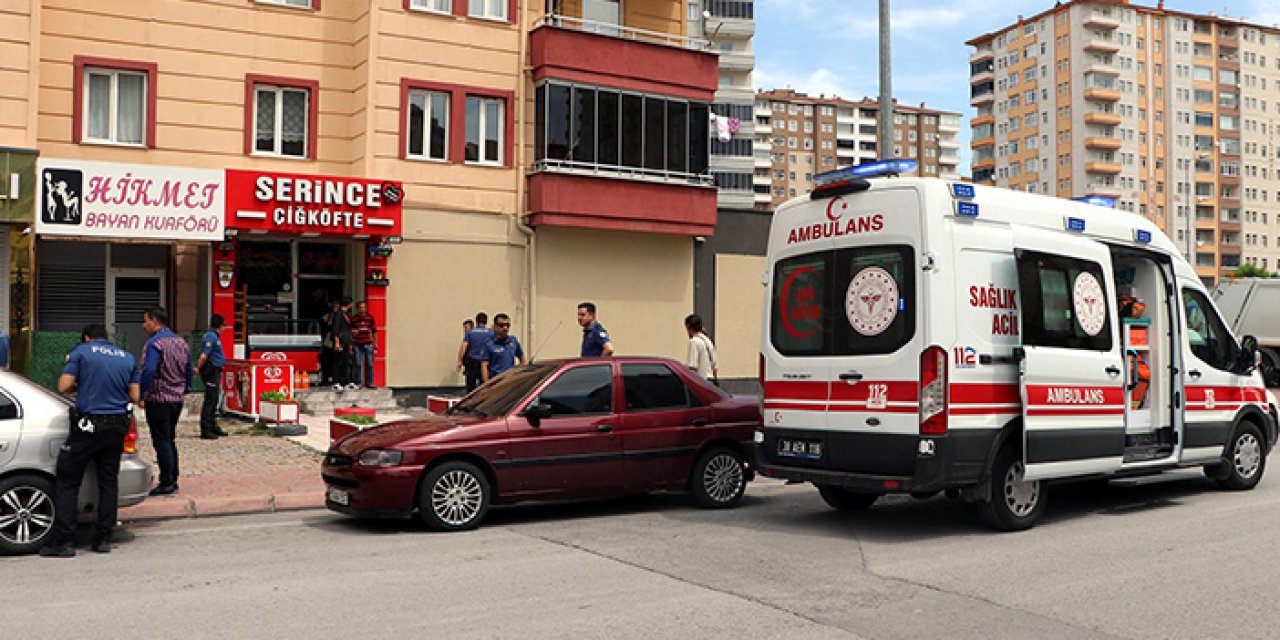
(853, 301)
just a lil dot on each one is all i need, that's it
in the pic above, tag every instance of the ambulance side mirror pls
(1247, 360)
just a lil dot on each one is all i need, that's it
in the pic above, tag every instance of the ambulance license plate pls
(339, 496)
(802, 449)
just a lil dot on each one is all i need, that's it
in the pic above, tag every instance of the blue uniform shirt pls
(103, 374)
(477, 339)
(594, 338)
(4, 350)
(502, 355)
(212, 347)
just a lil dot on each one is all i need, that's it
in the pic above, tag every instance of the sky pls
(831, 46)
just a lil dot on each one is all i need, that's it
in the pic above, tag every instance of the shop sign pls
(106, 199)
(17, 185)
(329, 205)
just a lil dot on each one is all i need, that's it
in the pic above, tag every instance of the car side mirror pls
(1247, 361)
(535, 412)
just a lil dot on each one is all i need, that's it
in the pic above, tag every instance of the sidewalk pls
(240, 473)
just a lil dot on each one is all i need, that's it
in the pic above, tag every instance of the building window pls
(297, 4)
(484, 129)
(434, 6)
(280, 120)
(490, 9)
(428, 125)
(115, 106)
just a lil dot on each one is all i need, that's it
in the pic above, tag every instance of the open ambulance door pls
(1071, 365)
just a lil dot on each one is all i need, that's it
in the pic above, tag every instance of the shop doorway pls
(130, 292)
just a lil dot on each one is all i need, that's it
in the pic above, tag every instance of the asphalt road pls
(1179, 560)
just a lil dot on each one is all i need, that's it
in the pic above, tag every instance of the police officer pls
(503, 352)
(210, 364)
(595, 340)
(105, 380)
(472, 351)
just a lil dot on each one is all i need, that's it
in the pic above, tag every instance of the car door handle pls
(1113, 370)
(699, 422)
(1194, 373)
(604, 428)
(851, 376)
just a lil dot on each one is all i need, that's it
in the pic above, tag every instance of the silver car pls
(33, 425)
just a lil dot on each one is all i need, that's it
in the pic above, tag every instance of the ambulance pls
(924, 336)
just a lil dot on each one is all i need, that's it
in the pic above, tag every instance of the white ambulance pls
(922, 335)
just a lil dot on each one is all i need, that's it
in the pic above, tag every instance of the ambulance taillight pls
(933, 392)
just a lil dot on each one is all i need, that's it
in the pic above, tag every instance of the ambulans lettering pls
(993, 297)
(836, 228)
(1068, 395)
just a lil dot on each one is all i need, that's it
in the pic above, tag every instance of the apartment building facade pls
(435, 157)
(1172, 114)
(800, 135)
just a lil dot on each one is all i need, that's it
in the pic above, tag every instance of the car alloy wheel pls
(456, 498)
(722, 477)
(26, 515)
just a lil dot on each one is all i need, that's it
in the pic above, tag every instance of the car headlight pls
(380, 457)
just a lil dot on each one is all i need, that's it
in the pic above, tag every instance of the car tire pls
(26, 513)
(454, 496)
(1015, 504)
(846, 500)
(1245, 459)
(719, 478)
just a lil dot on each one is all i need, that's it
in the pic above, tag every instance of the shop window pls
(490, 9)
(283, 117)
(114, 102)
(485, 122)
(428, 125)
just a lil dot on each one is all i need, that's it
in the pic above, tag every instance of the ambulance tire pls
(846, 500)
(1246, 459)
(1015, 504)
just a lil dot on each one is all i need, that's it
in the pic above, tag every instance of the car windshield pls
(499, 395)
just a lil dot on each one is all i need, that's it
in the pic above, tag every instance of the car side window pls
(1207, 335)
(580, 391)
(8, 408)
(654, 387)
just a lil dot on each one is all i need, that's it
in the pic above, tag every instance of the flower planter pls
(340, 428)
(279, 411)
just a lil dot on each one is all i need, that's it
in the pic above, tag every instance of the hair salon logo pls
(60, 191)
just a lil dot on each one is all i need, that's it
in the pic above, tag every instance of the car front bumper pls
(371, 491)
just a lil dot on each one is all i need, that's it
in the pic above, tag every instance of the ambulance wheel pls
(1015, 503)
(1245, 459)
(846, 500)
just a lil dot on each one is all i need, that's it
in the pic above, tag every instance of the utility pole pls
(885, 143)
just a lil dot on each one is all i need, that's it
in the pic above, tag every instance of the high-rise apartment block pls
(729, 26)
(799, 135)
(1175, 115)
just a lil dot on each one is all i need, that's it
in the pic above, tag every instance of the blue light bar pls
(1098, 201)
(962, 190)
(966, 209)
(1073, 224)
(1142, 235)
(871, 170)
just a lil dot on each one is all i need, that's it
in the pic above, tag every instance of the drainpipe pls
(521, 180)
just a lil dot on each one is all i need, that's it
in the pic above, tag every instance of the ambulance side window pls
(1206, 334)
(1064, 302)
(799, 314)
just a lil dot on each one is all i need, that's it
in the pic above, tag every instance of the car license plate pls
(803, 449)
(339, 496)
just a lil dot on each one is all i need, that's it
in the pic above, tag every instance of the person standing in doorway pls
(340, 327)
(702, 353)
(104, 378)
(595, 340)
(326, 343)
(503, 352)
(364, 339)
(209, 365)
(166, 378)
(472, 352)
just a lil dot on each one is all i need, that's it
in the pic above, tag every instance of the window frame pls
(463, 8)
(481, 160)
(252, 82)
(312, 5)
(1214, 322)
(82, 66)
(410, 5)
(1034, 333)
(426, 156)
(691, 400)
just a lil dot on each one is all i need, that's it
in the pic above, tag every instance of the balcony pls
(558, 199)
(981, 120)
(984, 163)
(1101, 21)
(618, 56)
(948, 143)
(983, 53)
(1110, 168)
(737, 60)
(986, 97)
(982, 142)
(1102, 95)
(1100, 44)
(1101, 68)
(949, 124)
(1101, 189)
(982, 76)
(1101, 117)
(948, 159)
(1102, 143)
(731, 18)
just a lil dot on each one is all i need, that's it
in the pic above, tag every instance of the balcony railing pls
(620, 31)
(740, 9)
(627, 173)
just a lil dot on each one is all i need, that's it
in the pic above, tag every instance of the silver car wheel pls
(1247, 455)
(1020, 495)
(723, 477)
(26, 514)
(456, 497)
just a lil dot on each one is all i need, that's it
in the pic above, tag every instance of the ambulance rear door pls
(1072, 379)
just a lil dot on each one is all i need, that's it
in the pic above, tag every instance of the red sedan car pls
(581, 428)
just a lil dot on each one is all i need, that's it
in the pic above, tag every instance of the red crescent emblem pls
(786, 295)
(831, 213)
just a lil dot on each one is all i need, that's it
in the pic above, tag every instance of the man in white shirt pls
(702, 353)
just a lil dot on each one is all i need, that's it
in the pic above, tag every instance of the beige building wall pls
(642, 285)
(1260, 113)
(19, 51)
(739, 300)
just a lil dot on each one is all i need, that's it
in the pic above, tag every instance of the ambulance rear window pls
(851, 301)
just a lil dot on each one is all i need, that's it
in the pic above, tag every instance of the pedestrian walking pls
(209, 366)
(326, 342)
(702, 352)
(340, 327)
(166, 378)
(503, 352)
(472, 351)
(104, 378)
(595, 340)
(364, 339)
